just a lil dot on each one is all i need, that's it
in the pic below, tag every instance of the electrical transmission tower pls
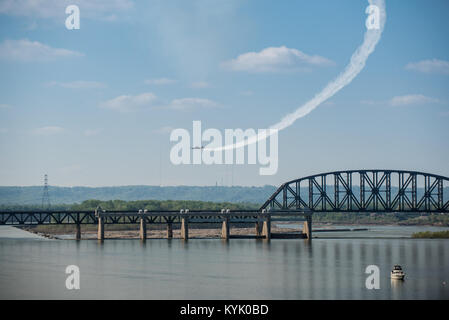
(45, 195)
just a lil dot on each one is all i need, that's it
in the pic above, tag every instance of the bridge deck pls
(130, 217)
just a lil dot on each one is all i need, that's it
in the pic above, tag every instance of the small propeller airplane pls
(202, 147)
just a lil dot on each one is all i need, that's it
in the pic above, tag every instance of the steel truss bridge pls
(364, 191)
(375, 191)
(23, 218)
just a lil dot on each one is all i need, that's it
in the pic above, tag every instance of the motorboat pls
(397, 273)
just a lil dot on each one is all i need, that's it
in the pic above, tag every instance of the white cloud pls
(160, 81)
(191, 103)
(5, 106)
(78, 84)
(200, 85)
(47, 131)
(92, 132)
(405, 100)
(275, 59)
(102, 9)
(26, 50)
(127, 103)
(411, 99)
(429, 66)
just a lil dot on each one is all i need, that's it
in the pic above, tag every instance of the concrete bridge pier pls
(100, 234)
(225, 229)
(307, 229)
(78, 232)
(266, 228)
(258, 227)
(184, 228)
(169, 230)
(143, 229)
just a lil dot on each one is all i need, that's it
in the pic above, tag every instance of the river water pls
(331, 266)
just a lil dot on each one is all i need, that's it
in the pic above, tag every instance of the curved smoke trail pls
(356, 64)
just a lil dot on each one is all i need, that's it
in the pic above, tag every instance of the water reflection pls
(397, 287)
(214, 269)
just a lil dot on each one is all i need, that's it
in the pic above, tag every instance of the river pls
(331, 266)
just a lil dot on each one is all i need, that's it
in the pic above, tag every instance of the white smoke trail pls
(356, 64)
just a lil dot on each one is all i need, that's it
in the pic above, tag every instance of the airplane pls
(202, 147)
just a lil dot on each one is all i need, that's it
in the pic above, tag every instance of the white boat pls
(397, 273)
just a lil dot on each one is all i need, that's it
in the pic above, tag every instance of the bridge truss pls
(134, 217)
(364, 191)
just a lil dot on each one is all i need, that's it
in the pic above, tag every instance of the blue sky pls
(95, 106)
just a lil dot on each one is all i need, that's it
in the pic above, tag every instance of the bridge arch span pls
(374, 190)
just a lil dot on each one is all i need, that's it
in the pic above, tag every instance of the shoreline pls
(194, 233)
(198, 232)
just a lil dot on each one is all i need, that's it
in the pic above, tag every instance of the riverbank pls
(211, 232)
(431, 235)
